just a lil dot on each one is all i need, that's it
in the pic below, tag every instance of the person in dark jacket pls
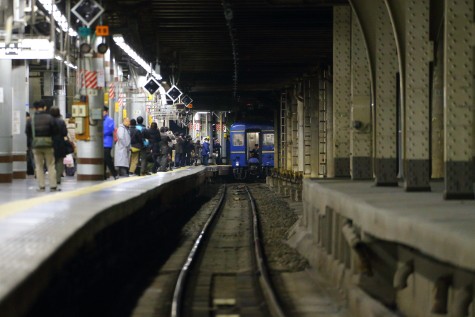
(154, 135)
(179, 150)
(164, 149)
(42, 125)
(205, 152)
(30, 159)
(145, 150)
(108, 127)
(58, 143)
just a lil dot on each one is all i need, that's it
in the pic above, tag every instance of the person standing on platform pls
(41, 129)
(122, 148)
(145, 150)
(205, 152)
(59, 143)
(179, 150)
(155, 138)
(30, 159)
(136, 145)
(108, 129)
(164, 152)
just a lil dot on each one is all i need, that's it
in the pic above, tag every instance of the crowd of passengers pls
(141, 150)
(130, 149)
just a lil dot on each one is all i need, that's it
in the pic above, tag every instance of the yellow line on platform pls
(16, 206)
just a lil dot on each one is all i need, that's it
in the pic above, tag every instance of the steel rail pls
(264, 280)
(182, 277)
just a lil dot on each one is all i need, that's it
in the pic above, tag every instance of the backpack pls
(145, 141)
(136, 139)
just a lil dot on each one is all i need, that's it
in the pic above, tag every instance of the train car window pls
(238, 139)
(268, 139)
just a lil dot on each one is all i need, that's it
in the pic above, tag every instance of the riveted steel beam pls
(410, 21)
(313, 105)
(309, 106)
(342, 91)
(382, 54)
(385, 158)
(361, 126)
(459, 100)
(437, 108)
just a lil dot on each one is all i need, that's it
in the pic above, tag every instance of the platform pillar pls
(342, 89)
(459, 99)
(90, 152)
(20, 90)
(361, 165)
(6, 158)
(385, 155)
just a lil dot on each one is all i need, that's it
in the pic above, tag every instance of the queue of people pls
(129, 149)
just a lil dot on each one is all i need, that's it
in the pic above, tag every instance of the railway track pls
(225, 272)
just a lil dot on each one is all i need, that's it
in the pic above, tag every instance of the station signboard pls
(27, 49)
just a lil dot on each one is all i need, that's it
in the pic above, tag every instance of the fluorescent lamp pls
(119, 40)
(58, 16)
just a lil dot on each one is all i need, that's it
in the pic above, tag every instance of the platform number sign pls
(174, 93)
(87, 11)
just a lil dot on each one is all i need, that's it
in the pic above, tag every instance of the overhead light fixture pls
(58, 17)
(119, 40)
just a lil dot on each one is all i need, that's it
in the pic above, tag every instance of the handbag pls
(69, 146)
(41, 141)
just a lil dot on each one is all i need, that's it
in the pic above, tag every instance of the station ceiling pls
(226, 54)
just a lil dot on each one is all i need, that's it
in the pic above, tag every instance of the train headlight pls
(237, 163)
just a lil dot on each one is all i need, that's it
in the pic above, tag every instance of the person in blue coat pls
(108, 127)
(205, 151)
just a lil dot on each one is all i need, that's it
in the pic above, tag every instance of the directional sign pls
(152, 86)
(186, 100)
(174, 93)
(87, 11)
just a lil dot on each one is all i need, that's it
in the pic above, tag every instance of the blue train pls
(251, 149)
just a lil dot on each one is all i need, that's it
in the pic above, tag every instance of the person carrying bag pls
(41, 128)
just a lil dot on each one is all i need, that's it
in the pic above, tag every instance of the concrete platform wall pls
(380, 277)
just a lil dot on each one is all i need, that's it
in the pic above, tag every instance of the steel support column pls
(307, 126)
(437, 111)
(342, 91)
(410, 19)
(294, 136)
(385, 156)
(361, 127)
(20, 87)
(459, 98)
(313, 108)
(289, 128)
(6, 159)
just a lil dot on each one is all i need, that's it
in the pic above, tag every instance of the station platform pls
(388, 248)
(41, 231)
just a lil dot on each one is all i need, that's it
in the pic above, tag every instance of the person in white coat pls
(122, 148)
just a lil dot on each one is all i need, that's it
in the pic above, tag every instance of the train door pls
(252, 140)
